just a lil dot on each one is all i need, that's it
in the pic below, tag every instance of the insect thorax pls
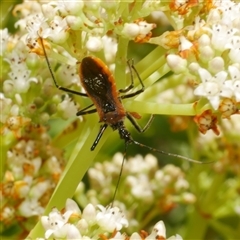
(123, 132)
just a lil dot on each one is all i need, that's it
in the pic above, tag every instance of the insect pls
(100, 87)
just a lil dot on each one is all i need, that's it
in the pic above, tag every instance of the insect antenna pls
(170, 154)
(120, 174)
(154, 150)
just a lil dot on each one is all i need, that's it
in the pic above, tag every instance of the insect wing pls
(99, 84)
(95, 78)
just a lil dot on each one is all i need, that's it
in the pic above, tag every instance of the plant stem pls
(156, 108)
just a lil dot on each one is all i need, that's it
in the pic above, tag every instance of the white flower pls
(68, 8)
(67, 231)
(140, 187)
(119, 236)
(130, 30)
(228, 10)
(67, 107)
(89, 214)
(234, 83)
(7, 213)
(176, 63)
(212, 87)
(97, 176)
(55, 222)
(34, 23)
(20, 74)
(94, 44)
(221, 35)
(184, 44)
(234, 46)
(75, 23)
(67, 73)
(5, 106)
(172, 171)
(176, 237)
(3, 40)
(83, 226)
(206, 52)
(138, 164)
(216, 65)
(72, 207)
(30, 207)
(194, 29)
(110, 48)
(140, 29)
(57, 31)
(151, 162)
(145, 28)
(181, 184)
(53, 164)
(189, 198)
(38, 190)
(111, 219)
(204, 40)
(135, 236)
(158, 231)
(49, 11)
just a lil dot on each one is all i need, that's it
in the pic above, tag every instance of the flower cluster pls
(199, 59)
(100, 23)
(29, 99)
(229, 159)
(33, 168)
(208, 53)
(142, 184)
(94, 223)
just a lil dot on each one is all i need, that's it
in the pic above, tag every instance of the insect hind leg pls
(137, 126)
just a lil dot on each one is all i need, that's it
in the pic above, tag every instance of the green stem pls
(6, 7)
(159, 87)
(208, 203)
(153, 59)
(196, 227)
(80, 161)
(163, 109)
(148, 215)
(7, 140)
(150, 73)
(121, 59)
(199, 220)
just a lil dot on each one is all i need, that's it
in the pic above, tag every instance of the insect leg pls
(53, 77)
(132, 85)
(101, 131)
(131, 74)
(136, 125)
(84, 112)
(80, 113)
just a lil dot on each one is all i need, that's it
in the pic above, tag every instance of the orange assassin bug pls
(100, 87)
